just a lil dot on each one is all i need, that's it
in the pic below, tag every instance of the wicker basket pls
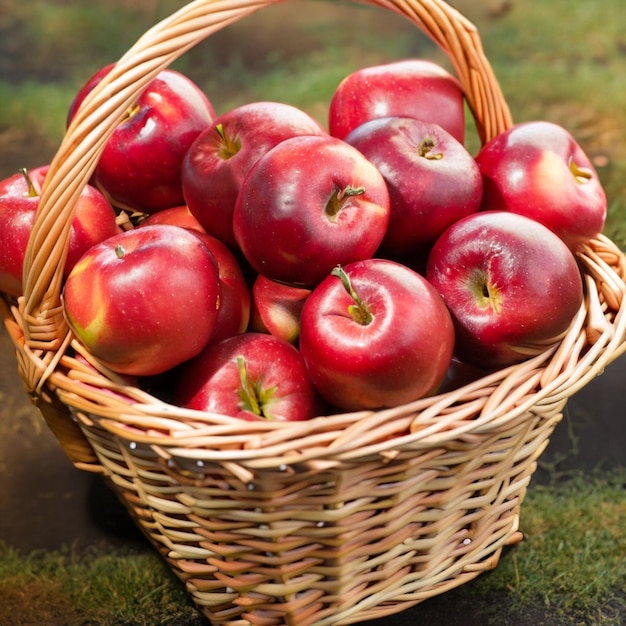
(332, 521)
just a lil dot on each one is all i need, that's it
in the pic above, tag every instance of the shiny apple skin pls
(403, 354)
(276, 308)
(407, 88)
(145, 300)
(93, 221)
(531, 273)
(235, 297)
(526, 170)
(281, 223)
(212, 381)
(433, 180)
(217, 162)
(139, 169)
(175, 216)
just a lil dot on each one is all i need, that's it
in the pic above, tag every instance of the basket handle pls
(45, 330)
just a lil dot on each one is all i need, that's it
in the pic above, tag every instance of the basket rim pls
(539, 386)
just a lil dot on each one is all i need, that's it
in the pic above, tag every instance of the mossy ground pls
(569, 570)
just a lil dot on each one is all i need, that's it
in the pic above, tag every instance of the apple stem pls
(133, 110)
(358, 310)
(425, 147)
(228, 147)
(339, 196)
(33, 192)
(487, 295)
(120, 253)
(581, 174)
(252, 397)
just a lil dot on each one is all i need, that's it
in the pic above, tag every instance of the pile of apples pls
(262, 266)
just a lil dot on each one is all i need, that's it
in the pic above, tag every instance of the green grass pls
(569, 564)
(100, 586)
(22, 107)
(571, 560)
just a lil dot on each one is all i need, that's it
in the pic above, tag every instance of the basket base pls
(429, 532)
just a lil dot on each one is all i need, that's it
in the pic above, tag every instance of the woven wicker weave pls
(339, 519)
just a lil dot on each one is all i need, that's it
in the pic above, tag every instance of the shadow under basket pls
(339, 519)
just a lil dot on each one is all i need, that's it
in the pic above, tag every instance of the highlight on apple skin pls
(511, 285)
(538, 169)
(144, 301)
(375, 334)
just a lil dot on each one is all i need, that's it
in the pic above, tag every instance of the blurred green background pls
(560, 60)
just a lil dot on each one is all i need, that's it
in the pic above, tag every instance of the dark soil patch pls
(33, 604)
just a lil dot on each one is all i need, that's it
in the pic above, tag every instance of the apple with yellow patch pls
(145, 300)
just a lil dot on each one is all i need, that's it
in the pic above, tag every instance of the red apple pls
(139, 169)
(537, 169)
(309, 204)
(433, 180)
(251, 376)
(235, 299)
(407, 88)
(175, 216)
(221, 156)
(145, 300)
(375, 334)
(511, 285)
(93, 221)
(276, 308)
